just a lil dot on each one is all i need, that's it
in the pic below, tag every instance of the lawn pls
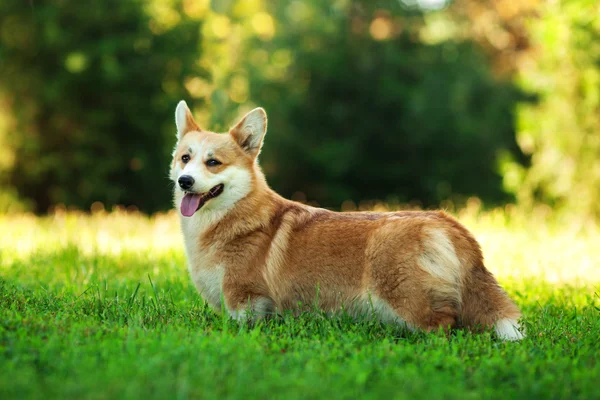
(101, 307)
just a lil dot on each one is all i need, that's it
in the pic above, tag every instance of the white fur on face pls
(237, 181)
(197, 170)
(204, 270)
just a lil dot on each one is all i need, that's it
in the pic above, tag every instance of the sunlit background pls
(489, 109)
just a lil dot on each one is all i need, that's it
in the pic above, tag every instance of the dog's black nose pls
(185, 182)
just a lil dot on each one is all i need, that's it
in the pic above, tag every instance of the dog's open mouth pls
(192, 202)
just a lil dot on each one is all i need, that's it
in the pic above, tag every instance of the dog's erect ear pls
(184, 120)
(250, 131)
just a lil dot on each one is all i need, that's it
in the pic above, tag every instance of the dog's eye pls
(185, 158)
(213, 163)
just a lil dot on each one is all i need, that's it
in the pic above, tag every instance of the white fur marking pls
(239, 315)
(260, 307)
(237, 183)
(508, 329)
(369, 306)
(209, 282)
(439, 257)
(276, 257)
(203, 264)
(200, 150)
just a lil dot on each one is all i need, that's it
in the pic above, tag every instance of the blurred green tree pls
(91, 87)
(362, 105)
(562, 131)
(361, 108)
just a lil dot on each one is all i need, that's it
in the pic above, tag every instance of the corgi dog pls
(261, 253)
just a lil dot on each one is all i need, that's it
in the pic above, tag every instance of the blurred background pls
(418, 102)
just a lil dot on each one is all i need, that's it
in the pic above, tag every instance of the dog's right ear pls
(250, 131)
(184, 120)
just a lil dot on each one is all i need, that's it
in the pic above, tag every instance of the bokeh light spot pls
(263, 25)
(239, 89)
(220, 26)
(381, 28)
(198, 87)
(196, 9)
(76, 62)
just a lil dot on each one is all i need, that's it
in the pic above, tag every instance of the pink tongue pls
(190, 204)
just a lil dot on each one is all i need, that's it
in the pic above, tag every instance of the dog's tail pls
(485, 304)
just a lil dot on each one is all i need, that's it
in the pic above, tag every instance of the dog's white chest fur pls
(205, 270)
(209, 283)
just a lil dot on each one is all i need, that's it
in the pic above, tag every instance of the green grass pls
(101, 307)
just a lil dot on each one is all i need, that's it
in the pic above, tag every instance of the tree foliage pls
(381, 115)
(92, 88)
(361, 104)
(562, 130)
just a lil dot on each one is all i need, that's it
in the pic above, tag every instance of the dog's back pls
(423, 266)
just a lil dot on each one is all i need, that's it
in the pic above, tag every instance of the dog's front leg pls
(248, 306)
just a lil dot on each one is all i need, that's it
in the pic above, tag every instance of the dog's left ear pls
(184, 120)
(250, 131)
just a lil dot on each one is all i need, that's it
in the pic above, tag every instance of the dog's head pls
(215, 170)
